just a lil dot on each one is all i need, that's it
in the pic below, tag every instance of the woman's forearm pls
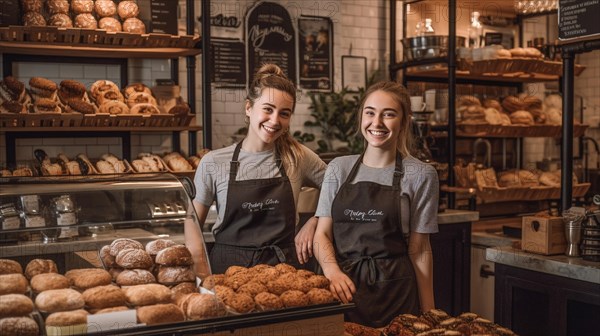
(194, 240)
(422, 259)
(323, 248)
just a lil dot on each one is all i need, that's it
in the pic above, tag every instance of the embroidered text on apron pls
(259, 221)
(371, 249)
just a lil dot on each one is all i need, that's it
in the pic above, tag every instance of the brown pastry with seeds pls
(58, 6)
(251, 288)
(105, 8)
(318, 281)
(356, 329)
(42, 88)
(268, 275)
(237, 280)
(86, 21)
(213, 280)
(12, 89)
(134, 25)
(60, 20)
(294, 298)
(80, 106)
(45, 105)
(240, 303)
(82, 6)
(128, 9)
(110, 24)
(285, 268)
(33, 19)
(71, 89)
(319, 296)
(268, 301)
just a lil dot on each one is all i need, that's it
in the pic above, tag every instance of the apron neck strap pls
(398, 170)
(234, 165)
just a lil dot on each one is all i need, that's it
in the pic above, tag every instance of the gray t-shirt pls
(419, 184)
(212, 176)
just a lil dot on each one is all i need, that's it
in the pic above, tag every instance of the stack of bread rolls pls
(473, 112)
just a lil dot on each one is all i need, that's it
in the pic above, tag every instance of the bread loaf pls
(160, 313)
(521, 118)
(104, 297)
(134, 258)
(468, 100)
(88, 277)
(170, 275)
(15, 305)
(124, 243)
(203, 306)
(183, 289)
(105, 257)
(13, 284)
(67, 318)
(177, 255)
(132, 277)
(19, 326)
(38, 266)
(57, 300)
(111, 310)
(46, 281)
(8, 266)
(512, 103)
(155, 246)
(149, 294)
(550, 179)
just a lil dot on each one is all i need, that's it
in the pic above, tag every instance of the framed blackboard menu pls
(163, 16)
(229, 65)
(578, 18)
(270, 38)
(9, 13)
(315, 50)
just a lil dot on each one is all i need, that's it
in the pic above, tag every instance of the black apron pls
(259, 222)
(372, 251)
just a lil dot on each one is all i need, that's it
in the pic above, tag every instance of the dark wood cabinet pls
(534, 303)
(451, 248)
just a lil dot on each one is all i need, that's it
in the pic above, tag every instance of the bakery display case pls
(116, 242)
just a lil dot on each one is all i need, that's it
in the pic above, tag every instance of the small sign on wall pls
(577, 19)
(9, 13)
(163, 16)
(315, 53)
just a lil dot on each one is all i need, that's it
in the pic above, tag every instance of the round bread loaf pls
(8, 266)
(134, 25)
(15, 305)
(134, 258)
(128, 9)
(203, 306)
(521, 118)
(110, 24)
(31, 6)
(155, 246)
(105, 8)
(56, 300)
(58, 6)
(114, 272)
(171, 275)
(33, 19)
(241, 303)
(104, 297)
(86, 21)
(60, 20)
(177, 255)
(183, 289)
(46, 281)
(132, 277)
(105, 257)
(160, 313)
(13, 284)
(39, 266)
(294, 298)
(319, 296)
(19, 326)
(149, 294)
(88, 277)
(67, 318)
(268, 301)
(124, 243)
(82, 6)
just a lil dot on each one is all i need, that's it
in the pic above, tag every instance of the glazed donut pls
(60, 20)
(110, 24)
(140, 98)
(86, 20)
(114, 107)
(134, 25)
(128, 9)
(58, 6)
(82, 6)
(144, 109)
(33, 19)
(105, 8)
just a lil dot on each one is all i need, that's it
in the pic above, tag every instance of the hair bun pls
(269, 69)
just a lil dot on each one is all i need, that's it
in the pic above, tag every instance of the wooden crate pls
(543, 235)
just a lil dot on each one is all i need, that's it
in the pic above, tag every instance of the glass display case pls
(70, 219)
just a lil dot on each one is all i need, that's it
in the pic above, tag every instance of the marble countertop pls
(560, 265)
(451, 216)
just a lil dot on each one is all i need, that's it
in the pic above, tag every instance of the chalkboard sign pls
(270, 38)
(315, 50)
(163, 15)
(9, 13)
(578, 18)
(229, 70)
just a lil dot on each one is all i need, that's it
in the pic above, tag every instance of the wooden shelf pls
(33, 48)
(102, 129)
(465, 76)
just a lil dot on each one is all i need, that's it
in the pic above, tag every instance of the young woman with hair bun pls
(256, 184)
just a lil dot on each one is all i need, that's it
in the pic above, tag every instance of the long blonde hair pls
(400, 95)
(270, 76)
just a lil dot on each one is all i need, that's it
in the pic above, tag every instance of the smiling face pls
(381, 120)
(269, 117)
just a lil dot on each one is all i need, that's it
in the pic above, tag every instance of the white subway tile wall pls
(360, 28)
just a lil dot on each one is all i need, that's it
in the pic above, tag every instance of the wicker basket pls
(540, 193)
(41, 120)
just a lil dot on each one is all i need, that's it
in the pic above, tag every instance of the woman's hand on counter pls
(341, 285)
(304, 240)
